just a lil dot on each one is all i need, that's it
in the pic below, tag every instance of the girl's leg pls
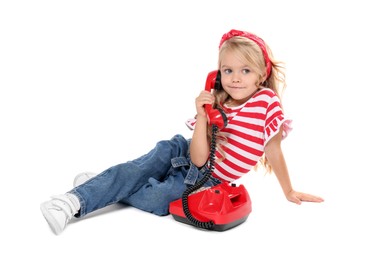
(120, 182)
(156, 195)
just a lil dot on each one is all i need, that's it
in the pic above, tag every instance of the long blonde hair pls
(249, 52)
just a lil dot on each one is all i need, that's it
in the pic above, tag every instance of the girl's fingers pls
(310, 198)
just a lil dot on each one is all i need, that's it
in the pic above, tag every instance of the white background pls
(85, 85)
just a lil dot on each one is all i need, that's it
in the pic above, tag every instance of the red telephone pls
(223, 206)
(215, 116)
(218, 208)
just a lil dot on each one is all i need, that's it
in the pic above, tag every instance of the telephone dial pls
(223, 206)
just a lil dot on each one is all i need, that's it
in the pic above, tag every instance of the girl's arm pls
(199, 147)
(273, 152)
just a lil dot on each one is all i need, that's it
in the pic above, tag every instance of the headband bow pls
(260, 42)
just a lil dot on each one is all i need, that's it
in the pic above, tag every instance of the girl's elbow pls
(199, 162)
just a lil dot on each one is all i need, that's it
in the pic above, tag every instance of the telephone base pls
(226, 205)
(222, 227)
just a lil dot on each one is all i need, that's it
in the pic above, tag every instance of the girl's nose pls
(235, 78)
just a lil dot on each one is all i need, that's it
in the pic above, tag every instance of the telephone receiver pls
(215, 116)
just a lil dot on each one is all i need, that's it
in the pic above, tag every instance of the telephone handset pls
(215, 116)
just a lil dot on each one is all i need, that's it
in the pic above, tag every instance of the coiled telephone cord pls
(185, 203)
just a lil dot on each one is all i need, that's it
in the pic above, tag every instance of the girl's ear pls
(263, 80)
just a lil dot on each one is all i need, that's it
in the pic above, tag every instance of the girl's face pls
(238, 79)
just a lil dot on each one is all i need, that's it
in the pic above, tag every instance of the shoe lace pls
(67, 206)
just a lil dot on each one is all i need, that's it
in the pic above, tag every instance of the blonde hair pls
(249, 52)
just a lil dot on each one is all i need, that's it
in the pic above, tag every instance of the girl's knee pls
(156, 196)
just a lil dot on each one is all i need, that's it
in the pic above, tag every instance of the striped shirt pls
(250, 126)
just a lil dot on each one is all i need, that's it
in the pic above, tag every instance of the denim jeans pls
(149, 182)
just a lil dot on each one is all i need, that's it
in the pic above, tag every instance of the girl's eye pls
(245, 71)
(227, 71)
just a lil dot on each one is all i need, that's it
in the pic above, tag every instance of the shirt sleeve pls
(275, 118)
(190, 123)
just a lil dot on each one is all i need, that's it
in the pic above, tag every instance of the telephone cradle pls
(226, 205)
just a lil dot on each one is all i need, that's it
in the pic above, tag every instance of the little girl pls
(248, 96)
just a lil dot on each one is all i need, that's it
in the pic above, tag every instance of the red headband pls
(255, 39)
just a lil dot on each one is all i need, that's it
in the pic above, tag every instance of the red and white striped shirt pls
(250, 126)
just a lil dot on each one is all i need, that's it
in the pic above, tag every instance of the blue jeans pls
(149, 182)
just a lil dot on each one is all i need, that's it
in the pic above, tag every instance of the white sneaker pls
(58, 211)
(83, 177)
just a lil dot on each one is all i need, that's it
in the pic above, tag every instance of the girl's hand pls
(204, 98)
(298, 197)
